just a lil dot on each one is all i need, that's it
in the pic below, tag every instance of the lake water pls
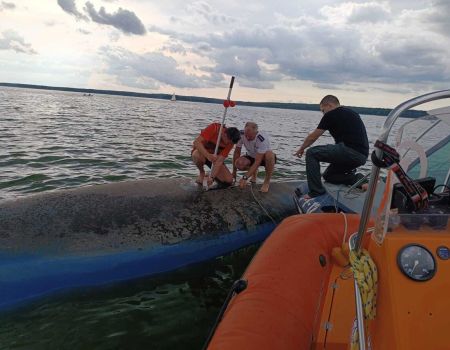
(57, 140)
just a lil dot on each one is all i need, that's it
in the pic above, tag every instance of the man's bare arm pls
(309, 140)
(217, 163)
(198, 145)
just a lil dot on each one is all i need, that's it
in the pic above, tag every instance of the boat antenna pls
(227, 103)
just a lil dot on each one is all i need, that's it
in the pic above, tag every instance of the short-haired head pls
(251, 125)
(328, 103)
(233, 134)
(250, 130)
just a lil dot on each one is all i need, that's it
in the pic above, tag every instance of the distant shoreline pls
(282, 105)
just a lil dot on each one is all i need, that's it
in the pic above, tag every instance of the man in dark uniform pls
(350, 150)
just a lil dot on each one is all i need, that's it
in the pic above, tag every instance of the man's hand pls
(210, 181)
(299, 153)
(242, 183)
(310, 139)
(211, 157)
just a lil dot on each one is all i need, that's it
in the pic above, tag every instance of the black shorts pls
(252, 160)
(207, 162)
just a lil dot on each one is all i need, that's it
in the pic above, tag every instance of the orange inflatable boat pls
(349, 281)
(288, 281)
(299, 296)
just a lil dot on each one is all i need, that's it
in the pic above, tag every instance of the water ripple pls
(54, 140)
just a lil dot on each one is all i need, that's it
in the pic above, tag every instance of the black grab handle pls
(237, 287)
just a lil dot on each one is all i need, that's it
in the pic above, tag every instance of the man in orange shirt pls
(203, 152)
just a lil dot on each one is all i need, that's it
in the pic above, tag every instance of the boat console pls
(434, 215)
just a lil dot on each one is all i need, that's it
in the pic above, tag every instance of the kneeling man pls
(203, 153)
(258, 154)
(350, 150)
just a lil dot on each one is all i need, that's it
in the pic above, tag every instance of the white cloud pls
(70, 7)
(193, 45)
(354, 13)
(371, 12)
(11, 40)
(84, 31)
(4, 5)
(353, 43)
(203, 10)
(175, 48)
(148, 70)
(439, 17)
(124, 20)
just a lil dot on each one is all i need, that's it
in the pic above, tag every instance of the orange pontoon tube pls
(287, 283)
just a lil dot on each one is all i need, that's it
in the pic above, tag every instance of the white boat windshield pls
(424, 146)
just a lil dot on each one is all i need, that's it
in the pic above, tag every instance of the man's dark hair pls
(330, 100)
(233, 134)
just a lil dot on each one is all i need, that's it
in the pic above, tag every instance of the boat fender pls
(340, 255)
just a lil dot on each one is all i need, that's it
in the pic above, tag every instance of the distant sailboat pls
(173, 98)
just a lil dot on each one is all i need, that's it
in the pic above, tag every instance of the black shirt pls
(346, 126)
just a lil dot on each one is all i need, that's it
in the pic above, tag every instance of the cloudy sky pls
(368, 53)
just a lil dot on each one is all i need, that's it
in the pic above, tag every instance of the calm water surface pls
(58, 140)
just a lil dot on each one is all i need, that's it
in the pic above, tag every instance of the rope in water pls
(259, 203)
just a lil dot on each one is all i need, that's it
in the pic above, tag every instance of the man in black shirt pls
(350, 151)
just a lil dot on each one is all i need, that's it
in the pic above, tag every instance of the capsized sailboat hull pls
(113, 232)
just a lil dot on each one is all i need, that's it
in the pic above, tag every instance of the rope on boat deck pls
(365, 273)
(366, 276)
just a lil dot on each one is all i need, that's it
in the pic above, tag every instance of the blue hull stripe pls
(23, 278)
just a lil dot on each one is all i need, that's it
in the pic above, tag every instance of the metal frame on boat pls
(375, 172)
(355, 245)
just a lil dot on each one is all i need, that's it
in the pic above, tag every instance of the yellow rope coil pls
(354, 338)
(366, 276)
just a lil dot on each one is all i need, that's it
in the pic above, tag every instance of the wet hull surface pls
(101, 234)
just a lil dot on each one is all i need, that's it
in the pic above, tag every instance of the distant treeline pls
(300, 106)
